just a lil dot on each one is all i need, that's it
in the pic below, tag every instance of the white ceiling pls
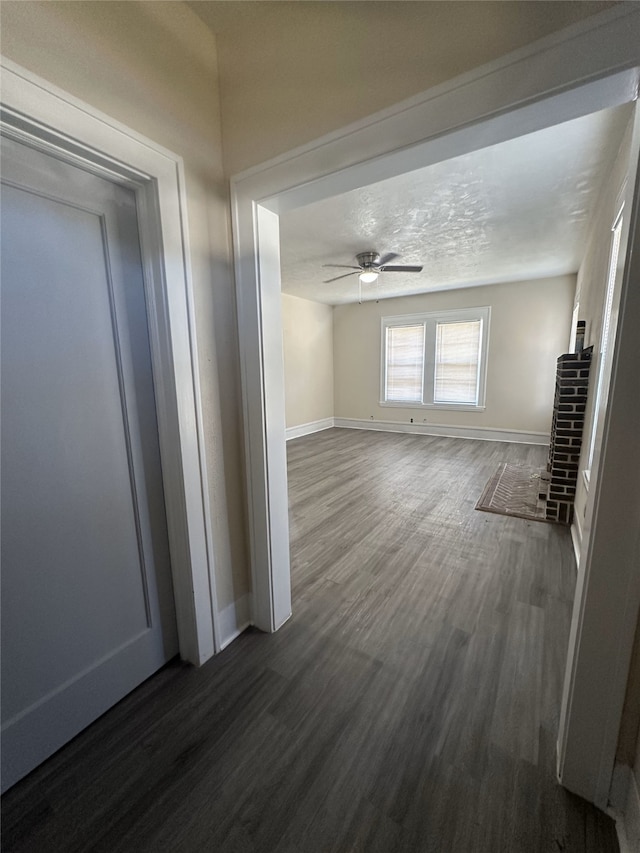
(514, 211)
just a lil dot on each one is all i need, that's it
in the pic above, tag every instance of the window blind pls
(405, 359)
(457, 362)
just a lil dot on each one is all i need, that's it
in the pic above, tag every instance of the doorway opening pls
(360, 156)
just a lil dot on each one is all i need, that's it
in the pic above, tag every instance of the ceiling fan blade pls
(400, 269)
(385, 259)
(329, 280)
(342, 266)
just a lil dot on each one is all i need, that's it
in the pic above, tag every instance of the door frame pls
(40, 114)
(589, 66)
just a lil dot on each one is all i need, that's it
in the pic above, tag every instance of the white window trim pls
(430, 319)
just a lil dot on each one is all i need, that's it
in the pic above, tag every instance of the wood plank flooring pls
(410, 704)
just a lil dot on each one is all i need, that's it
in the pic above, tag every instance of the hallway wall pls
(291, 72)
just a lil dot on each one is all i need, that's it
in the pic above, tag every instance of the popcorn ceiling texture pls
(509, 212)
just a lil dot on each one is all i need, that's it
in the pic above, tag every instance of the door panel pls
(87, 605)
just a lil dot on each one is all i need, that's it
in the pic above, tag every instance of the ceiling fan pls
(370, 265)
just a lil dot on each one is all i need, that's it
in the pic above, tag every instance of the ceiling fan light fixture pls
(368, 277)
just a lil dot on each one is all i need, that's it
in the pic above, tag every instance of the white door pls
(87, 601)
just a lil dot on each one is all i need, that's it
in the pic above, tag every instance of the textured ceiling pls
(514, 211)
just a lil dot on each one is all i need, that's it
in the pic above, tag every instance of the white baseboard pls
(234, 619)
(576, 538)
(480, 433)
(625, 808)
(307, 429)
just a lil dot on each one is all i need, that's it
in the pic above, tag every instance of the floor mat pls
(514, 490)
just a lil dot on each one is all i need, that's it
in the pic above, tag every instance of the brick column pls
(572, 382)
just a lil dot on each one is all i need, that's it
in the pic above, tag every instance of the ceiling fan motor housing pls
(370, 265)
(368, 260)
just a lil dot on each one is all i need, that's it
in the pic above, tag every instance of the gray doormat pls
(514, 490)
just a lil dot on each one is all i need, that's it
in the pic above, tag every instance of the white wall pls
(153, 66)
(307, 329)
(530, 324)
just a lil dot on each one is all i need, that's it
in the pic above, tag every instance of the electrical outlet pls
(411, 420)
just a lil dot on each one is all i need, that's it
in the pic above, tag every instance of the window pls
(457, 361)
(435, 360)
(405, 360)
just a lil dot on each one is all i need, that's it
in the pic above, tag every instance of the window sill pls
(455, 407)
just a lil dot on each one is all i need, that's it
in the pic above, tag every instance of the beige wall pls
(153, 66)
(307, 333)
(530, 323)
(592, 286)
(293, 71)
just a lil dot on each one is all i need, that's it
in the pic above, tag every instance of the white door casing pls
(44, 116)
(87, 600)
(590, 66)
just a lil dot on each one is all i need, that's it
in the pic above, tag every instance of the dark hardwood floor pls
(410, 704)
